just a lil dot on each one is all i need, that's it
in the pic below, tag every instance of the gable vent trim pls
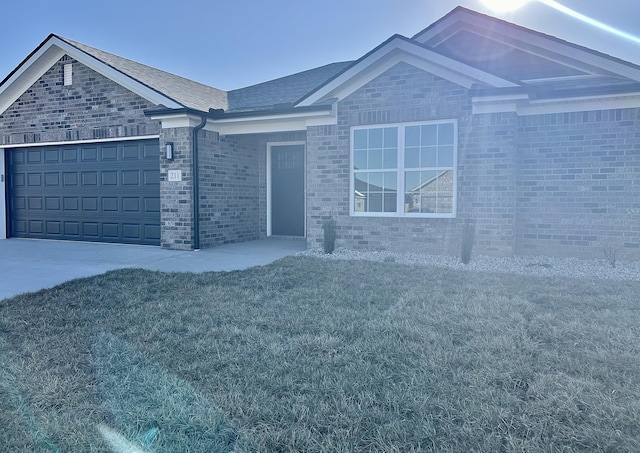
(68, 74)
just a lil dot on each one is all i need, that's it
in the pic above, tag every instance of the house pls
(534, 139)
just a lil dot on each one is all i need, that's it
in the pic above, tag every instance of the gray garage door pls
(103, 192)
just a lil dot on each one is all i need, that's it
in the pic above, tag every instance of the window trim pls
(401, 170)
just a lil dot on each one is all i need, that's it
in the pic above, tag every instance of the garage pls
(96, 192)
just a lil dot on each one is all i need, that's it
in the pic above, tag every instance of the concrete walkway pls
(30, 265)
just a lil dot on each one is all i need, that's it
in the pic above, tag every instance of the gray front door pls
(100, 192)
(287, 190)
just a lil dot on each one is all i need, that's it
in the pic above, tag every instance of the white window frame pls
(401, 170)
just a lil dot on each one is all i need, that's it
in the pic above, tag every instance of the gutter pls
(196, 184)
(214, 114)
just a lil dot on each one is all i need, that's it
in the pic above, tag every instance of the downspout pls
(196, 188)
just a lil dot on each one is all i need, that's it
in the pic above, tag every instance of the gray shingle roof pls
(282, 91)
(195, 95)
(191, 94)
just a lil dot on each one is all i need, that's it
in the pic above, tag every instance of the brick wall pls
(579, 183)
(93, 107)
(487, 180)
(230, 189)
(176, 197)
(486, 168)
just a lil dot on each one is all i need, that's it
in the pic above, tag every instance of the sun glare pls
(505, 6)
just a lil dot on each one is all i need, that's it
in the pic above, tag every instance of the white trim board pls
(523, 106)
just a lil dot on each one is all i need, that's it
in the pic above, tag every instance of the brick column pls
(176, 197)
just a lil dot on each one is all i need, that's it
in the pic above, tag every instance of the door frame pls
(304, 172)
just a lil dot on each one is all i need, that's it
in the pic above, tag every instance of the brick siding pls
(176, 197)
(485, 161)
(229, 189)
(558, 184)
(93, 107)
(578, 183)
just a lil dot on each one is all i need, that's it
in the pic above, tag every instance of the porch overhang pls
(249, 122)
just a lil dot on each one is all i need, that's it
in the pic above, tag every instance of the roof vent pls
(68, 74)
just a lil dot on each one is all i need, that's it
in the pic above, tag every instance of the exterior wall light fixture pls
(169, 150)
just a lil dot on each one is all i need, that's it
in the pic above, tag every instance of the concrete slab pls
(30, 265)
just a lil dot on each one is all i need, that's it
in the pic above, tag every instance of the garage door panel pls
(90, 204)
(70, 155)
(17, 180)
(89, 154)
(17, 157)
(130, 153)
(35, 203)
(152, 233)
(36, 226)
(19, 226)
(34, 157)
(52, 156)
(18, 203)
(90, 178)
(110, 230)
(109, 153)
(110, 204)
(106, 192)
(72, 229)
(70, 178)
(54, 228)
(71, 204)
(52, 179)
(52, 203)
(130, 178)
(151, 178)
(34, 179)
(152, 205)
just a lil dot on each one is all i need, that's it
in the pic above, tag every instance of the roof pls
(282, 91)
(190, 94)
(489, 56)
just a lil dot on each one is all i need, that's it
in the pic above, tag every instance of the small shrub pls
(329, 228)
(468, 239)
(611, 254)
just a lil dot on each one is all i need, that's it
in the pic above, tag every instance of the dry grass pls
(316, 355)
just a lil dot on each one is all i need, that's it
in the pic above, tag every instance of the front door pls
(287, 190)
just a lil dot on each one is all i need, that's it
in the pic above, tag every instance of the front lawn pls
(320, 355)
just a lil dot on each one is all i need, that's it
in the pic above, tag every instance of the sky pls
(231, 44)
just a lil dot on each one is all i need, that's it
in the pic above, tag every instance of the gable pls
(518, 53)
(52, 50)
(507, 61)
(400, 49)
(92, 107)
(403, 93)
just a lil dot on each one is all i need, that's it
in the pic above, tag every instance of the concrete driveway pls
(30, 265)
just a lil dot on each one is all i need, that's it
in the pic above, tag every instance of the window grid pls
(426, 165)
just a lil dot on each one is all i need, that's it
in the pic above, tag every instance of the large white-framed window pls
(404, 170)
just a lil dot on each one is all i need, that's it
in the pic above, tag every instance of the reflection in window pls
(374, 151)
(429, 192)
